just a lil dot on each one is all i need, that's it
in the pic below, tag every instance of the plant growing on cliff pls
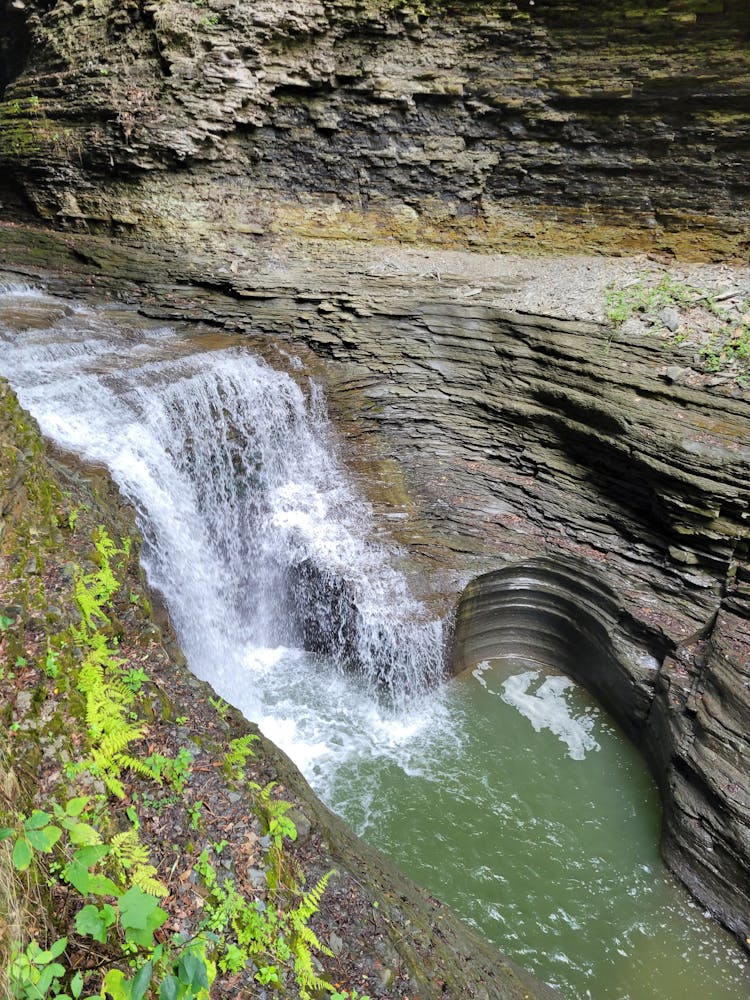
(721, 335)
(269, 937)
(100, 679)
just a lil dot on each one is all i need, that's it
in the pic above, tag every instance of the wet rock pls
(256, 877)
(301, 823)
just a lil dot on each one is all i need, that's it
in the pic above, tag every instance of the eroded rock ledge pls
(491, 122)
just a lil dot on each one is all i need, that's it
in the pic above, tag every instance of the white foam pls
(547, 708)
(480, 670)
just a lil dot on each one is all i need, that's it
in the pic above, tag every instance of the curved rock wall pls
(560, 613)
(492, 122)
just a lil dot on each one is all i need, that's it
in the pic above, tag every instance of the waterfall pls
(252, 530)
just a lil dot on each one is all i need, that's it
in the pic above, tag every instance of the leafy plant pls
(176, 770)
(191, 975)
(194, 812)
(273, 938)
(34, 972)
(95, 921)
(140, 916)
(134, 679)
(51, 665)
(237, 756)
(220, 705)
(131, 861)
(36, 833)
(119, 988)
(645, 297)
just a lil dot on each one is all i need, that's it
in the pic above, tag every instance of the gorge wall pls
(497, 123)
(526, 436)
(557, 465)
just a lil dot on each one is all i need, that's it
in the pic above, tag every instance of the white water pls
(261, 548)
(252, 531)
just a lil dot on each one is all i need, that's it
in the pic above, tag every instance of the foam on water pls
(547, 708)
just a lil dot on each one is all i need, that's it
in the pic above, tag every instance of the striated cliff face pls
(496, 123)
(525, 437)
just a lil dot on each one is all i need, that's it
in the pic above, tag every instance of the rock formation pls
(490, 122)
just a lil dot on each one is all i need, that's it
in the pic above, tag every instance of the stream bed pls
(508, 792)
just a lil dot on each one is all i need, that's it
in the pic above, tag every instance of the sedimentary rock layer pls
(492, 122)
(523, 436)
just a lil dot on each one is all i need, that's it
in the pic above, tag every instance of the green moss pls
(21, 132)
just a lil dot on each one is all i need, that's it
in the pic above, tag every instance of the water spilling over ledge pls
(252, 532)
(229, 464)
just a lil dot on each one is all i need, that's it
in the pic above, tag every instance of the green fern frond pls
(308, 980)
(307, 936)
(120, 736)
(138, 766)
(127, 850)
(144, 878)
(113, 784)
(310, 902)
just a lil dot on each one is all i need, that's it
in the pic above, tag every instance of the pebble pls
(670, 317)
(256, 877)
(633, 327)
(675, 373)
(335, 943)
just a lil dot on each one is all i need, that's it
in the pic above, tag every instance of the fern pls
(303, 940)
(310, 902)
(131, 858)
(236, 757)
(99, 679)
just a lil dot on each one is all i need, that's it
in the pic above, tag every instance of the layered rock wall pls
(491, 122)
(528, 437)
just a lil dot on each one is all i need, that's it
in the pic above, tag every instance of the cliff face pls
(492, 122)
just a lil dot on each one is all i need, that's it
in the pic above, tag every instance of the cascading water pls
(252, 532)
(281, 600)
